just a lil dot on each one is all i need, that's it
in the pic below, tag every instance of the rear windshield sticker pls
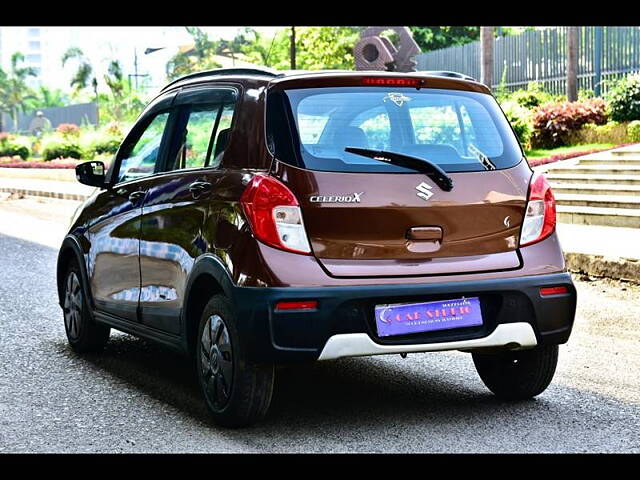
(397, 98)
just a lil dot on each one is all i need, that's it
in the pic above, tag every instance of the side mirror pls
(91, 173)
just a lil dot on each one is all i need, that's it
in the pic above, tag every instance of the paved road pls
(136, 397)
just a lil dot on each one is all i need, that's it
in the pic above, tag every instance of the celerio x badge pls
(424, 191)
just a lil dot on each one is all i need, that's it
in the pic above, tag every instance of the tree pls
(83, 76)
(270, 52)
(123, 103)
(572, 64)
(486, 55)
(435, 38)
(199, 57)
(256, 47)
(45, 97)
(14, 91)
(326, 47)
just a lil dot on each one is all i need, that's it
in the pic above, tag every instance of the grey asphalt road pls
(138, 397)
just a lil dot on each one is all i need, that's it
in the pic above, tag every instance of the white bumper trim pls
(517, 335)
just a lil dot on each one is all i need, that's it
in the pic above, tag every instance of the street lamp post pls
(135, 73)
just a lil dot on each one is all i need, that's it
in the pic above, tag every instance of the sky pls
(45, 46)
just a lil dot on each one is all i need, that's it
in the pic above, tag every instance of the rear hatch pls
(367, 217)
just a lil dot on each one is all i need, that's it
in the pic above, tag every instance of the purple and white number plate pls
(405, 318)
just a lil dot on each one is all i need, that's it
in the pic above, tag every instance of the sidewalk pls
(591, 249)
(601, 251)
(45, 188)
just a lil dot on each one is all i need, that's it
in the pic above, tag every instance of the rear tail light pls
(274, 215)
(540, 217)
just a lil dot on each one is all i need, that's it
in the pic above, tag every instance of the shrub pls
(553, 122)
(532, 97)
(96, 143)
(520, 119)
(633, 131)
(114, 128)
(60, 146)
(68, 130)
(610, 132)
(624, 99)
(100, 142)
(12, 146)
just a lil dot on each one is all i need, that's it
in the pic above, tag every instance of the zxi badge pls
(424, 191)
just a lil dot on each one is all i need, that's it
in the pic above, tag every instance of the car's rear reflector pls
(300, 305)
(546, 291)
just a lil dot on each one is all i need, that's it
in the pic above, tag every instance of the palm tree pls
(84, 74)
(46, 97)
(14, 91)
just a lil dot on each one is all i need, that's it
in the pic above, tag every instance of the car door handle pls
(198, 188)
(135, 197)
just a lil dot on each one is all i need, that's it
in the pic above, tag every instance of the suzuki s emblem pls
(506, 221)
(424, 191)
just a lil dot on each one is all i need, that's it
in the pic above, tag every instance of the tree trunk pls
(15, 120)
(293, 48)
(572, 64)
(486, 55)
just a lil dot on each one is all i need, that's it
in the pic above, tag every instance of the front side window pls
(452, 128)
(142, 156)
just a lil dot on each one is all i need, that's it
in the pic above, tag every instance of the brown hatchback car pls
(254, 217)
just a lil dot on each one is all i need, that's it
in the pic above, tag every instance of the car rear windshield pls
(457, 130)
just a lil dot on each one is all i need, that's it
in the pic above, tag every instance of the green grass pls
(542, 153)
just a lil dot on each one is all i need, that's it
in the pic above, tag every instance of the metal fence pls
(80, 114)
(604, 53)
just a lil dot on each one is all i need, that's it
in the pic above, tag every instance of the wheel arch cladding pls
(69, 251)
(202, 289)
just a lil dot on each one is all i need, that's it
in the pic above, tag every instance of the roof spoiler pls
(226, 71)
(438, 73)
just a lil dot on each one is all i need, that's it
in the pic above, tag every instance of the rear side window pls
(311, 128)
(203, 129)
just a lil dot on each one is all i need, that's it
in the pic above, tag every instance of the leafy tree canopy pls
(435, 38)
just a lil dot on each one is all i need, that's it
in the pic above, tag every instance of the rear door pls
(176, 224)
(369, 218)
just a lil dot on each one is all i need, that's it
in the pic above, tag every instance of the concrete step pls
(599, 169)
(630, 151)
(612, 217)
(606, 201)
(611, 160)
(592, 178)
(595, 189)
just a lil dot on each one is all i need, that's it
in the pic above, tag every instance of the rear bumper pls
(515, 316)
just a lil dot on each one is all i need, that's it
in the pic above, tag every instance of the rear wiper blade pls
(422, 165)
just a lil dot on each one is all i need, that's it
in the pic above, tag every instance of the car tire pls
(83, 333)
(518, 375)
(237, 391)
